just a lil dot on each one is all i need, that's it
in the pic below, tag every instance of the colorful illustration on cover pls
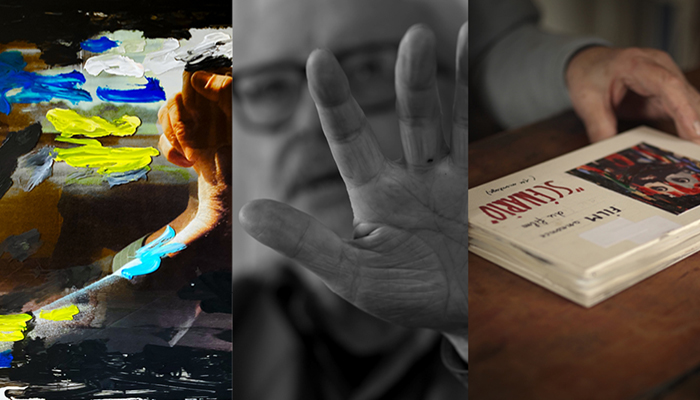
(646, 173)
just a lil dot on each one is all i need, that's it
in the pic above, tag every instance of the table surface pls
(526, 342)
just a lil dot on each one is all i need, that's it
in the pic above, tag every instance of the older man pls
(367, 172)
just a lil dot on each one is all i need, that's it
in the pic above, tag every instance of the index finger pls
(679, 99)
(347, 130)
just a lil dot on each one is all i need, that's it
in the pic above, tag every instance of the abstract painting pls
(648, 174)
(81, 182)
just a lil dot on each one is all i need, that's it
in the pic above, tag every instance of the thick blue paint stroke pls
(120, 178)
(99, 45)
(148, 93)
(148, 257)
(34, 87)
(6, 359)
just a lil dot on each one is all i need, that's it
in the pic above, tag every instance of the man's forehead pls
(266, 31)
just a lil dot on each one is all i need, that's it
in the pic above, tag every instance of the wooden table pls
(526, 342)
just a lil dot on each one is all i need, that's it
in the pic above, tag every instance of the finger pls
(597, 114)
(677, 98)
(171, 153)
(168, 142)
(182, 128)
(349, 135)
(299, 237)
(459, 142)
(214, 87)
(417, 102)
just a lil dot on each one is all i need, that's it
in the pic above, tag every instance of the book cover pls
(595, 221)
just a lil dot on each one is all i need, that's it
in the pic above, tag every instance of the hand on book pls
(197, 133)
(606, 83)
(407, 262)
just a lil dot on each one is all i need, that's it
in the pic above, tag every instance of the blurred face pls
(280, 150)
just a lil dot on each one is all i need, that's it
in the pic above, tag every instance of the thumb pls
(300, 237)
(598, 117)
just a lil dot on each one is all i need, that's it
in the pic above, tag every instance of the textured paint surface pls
(215, 51)
(164, 59)
(180, 174)
(22, 246)
(12, 327)
(15, 145)
(19, 86)
(115, 65)
(61, 314)
(39, 165)
(87, 370)
(107, 160)
(6, 359)
(70, 123)
(120, 178)
(85, 177)
(148, 93)
(98, 45)
(148, 257)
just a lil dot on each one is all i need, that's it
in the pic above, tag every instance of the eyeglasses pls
(268, 97)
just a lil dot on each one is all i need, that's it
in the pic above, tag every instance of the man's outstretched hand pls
(407, 262)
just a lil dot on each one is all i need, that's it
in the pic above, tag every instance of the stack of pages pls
(594, 222)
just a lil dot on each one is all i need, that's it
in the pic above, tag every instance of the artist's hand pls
(407, 262)
(606, 83)
(197, 133)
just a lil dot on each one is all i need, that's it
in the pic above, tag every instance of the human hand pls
(407, 262)
(606, 83)
(197, 133)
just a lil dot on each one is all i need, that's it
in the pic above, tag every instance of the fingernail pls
(696, 125)
(200, 79)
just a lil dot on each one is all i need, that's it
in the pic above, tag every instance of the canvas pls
(81, 178)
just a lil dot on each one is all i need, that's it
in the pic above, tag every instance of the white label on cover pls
(622, 229)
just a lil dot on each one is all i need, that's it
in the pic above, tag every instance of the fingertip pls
(261, 221)
(327, 82)
(416, 65)
(200, 79)
(172, 154)
(600, 132)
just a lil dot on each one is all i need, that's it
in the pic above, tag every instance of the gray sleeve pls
(518, 71)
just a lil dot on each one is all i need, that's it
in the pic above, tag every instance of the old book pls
(593, 222)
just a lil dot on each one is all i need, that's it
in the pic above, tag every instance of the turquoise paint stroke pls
(99, 45)
(6, 359)
(148, 257)
(30, 87)
(151, 92)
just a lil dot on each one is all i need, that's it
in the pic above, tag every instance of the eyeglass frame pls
(300, 69)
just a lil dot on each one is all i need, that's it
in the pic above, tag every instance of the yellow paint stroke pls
(61, 314)
(107, 160)
(70, 123)
(12, 327)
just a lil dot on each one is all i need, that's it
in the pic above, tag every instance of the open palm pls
(407, 262)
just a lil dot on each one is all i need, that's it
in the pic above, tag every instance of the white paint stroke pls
(6, 388)
(163, 60)
(115, 65)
